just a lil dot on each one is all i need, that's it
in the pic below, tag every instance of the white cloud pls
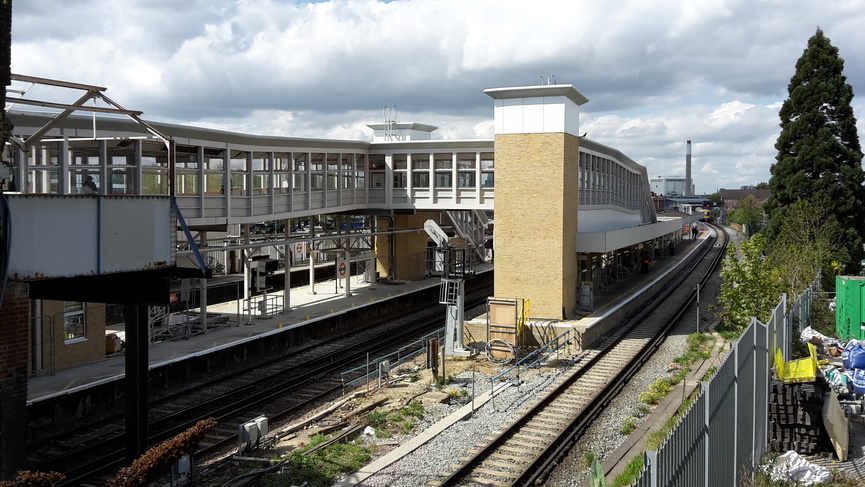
(657, 73)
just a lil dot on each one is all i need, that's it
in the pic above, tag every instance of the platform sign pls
(342, 269)
(299, 253)
(686, 229)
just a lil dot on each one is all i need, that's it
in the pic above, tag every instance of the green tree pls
(749, 212)
(762, 185)
(818, 147)
(749, 287)
(809, 240)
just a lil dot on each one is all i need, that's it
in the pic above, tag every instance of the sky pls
(656, 72)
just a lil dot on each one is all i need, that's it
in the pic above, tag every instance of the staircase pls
(470, 226)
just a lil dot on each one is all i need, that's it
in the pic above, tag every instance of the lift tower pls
(455, 262)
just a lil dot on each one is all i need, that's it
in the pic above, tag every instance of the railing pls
(512, 374)
(365, 373)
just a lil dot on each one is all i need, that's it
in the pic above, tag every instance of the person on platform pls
(694, 231)
(644, 261)
(89, 186)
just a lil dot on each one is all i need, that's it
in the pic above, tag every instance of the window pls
(400, 168)
(317, 166)
(74, 323)
(282, 172)
(420, 170)
(444, 170)
(466, 164)
(360, 177)
(376, 170)
(299, 171)
(347, 163)
(488, 164)
(332, 171)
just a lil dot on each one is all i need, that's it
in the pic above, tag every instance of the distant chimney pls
(688, 183)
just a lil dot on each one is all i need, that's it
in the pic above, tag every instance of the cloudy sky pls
(656, 72)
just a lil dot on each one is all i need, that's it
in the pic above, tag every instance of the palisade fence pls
(723, 436)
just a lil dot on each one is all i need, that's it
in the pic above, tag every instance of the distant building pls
(669, 185)
(731, 196)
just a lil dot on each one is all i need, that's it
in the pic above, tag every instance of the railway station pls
(110, 211)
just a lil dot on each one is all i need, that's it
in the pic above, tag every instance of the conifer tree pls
(819, 156)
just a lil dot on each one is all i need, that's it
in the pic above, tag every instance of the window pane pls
(466, 160)
(443, 180)
(420, 161)
(467, 179)
(73, 320)
(444, 161)
(420, 180)
(487, 161)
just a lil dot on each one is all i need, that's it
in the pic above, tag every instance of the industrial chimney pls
(688, 183)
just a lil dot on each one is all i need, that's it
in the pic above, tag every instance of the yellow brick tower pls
(536, 154)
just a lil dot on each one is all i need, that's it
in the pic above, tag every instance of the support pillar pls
(14, 343)
(137, 362)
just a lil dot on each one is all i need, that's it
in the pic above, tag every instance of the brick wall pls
(14, 359)
(77, 352)
(410, 247)
(536, 221)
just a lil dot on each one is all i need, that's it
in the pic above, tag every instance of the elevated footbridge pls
(98, 179)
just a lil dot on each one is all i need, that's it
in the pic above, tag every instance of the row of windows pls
(419, 169)
(203, 169)
(604, 181)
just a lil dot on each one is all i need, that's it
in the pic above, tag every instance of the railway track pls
(529, 448)
(278, 389)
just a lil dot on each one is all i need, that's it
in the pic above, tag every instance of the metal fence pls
(723, 435)
(364, 375)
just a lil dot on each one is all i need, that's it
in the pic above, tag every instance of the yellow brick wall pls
(410, 247)
(536, 221)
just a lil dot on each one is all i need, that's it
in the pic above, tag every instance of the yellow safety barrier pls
(801, 370)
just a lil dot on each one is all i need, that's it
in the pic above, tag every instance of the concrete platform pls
(329, 300)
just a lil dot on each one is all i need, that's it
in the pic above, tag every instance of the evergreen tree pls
(819, 155)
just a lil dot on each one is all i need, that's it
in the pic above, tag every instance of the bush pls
(629, 426)
(156, 461)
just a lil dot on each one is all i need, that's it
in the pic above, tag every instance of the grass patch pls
(442, 381)
(588, 457)
(634, 467)
(455, 394)
(629, 425)
(321, 468)
(402, 421)
(642, 409)
(657, 391)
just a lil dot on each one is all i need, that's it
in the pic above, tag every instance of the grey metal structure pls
(455, 263)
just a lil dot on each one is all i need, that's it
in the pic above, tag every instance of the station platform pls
(329, 299)
(615, 295)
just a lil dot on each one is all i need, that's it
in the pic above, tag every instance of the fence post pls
(650, 459)
(706, 420)
(736, 383)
